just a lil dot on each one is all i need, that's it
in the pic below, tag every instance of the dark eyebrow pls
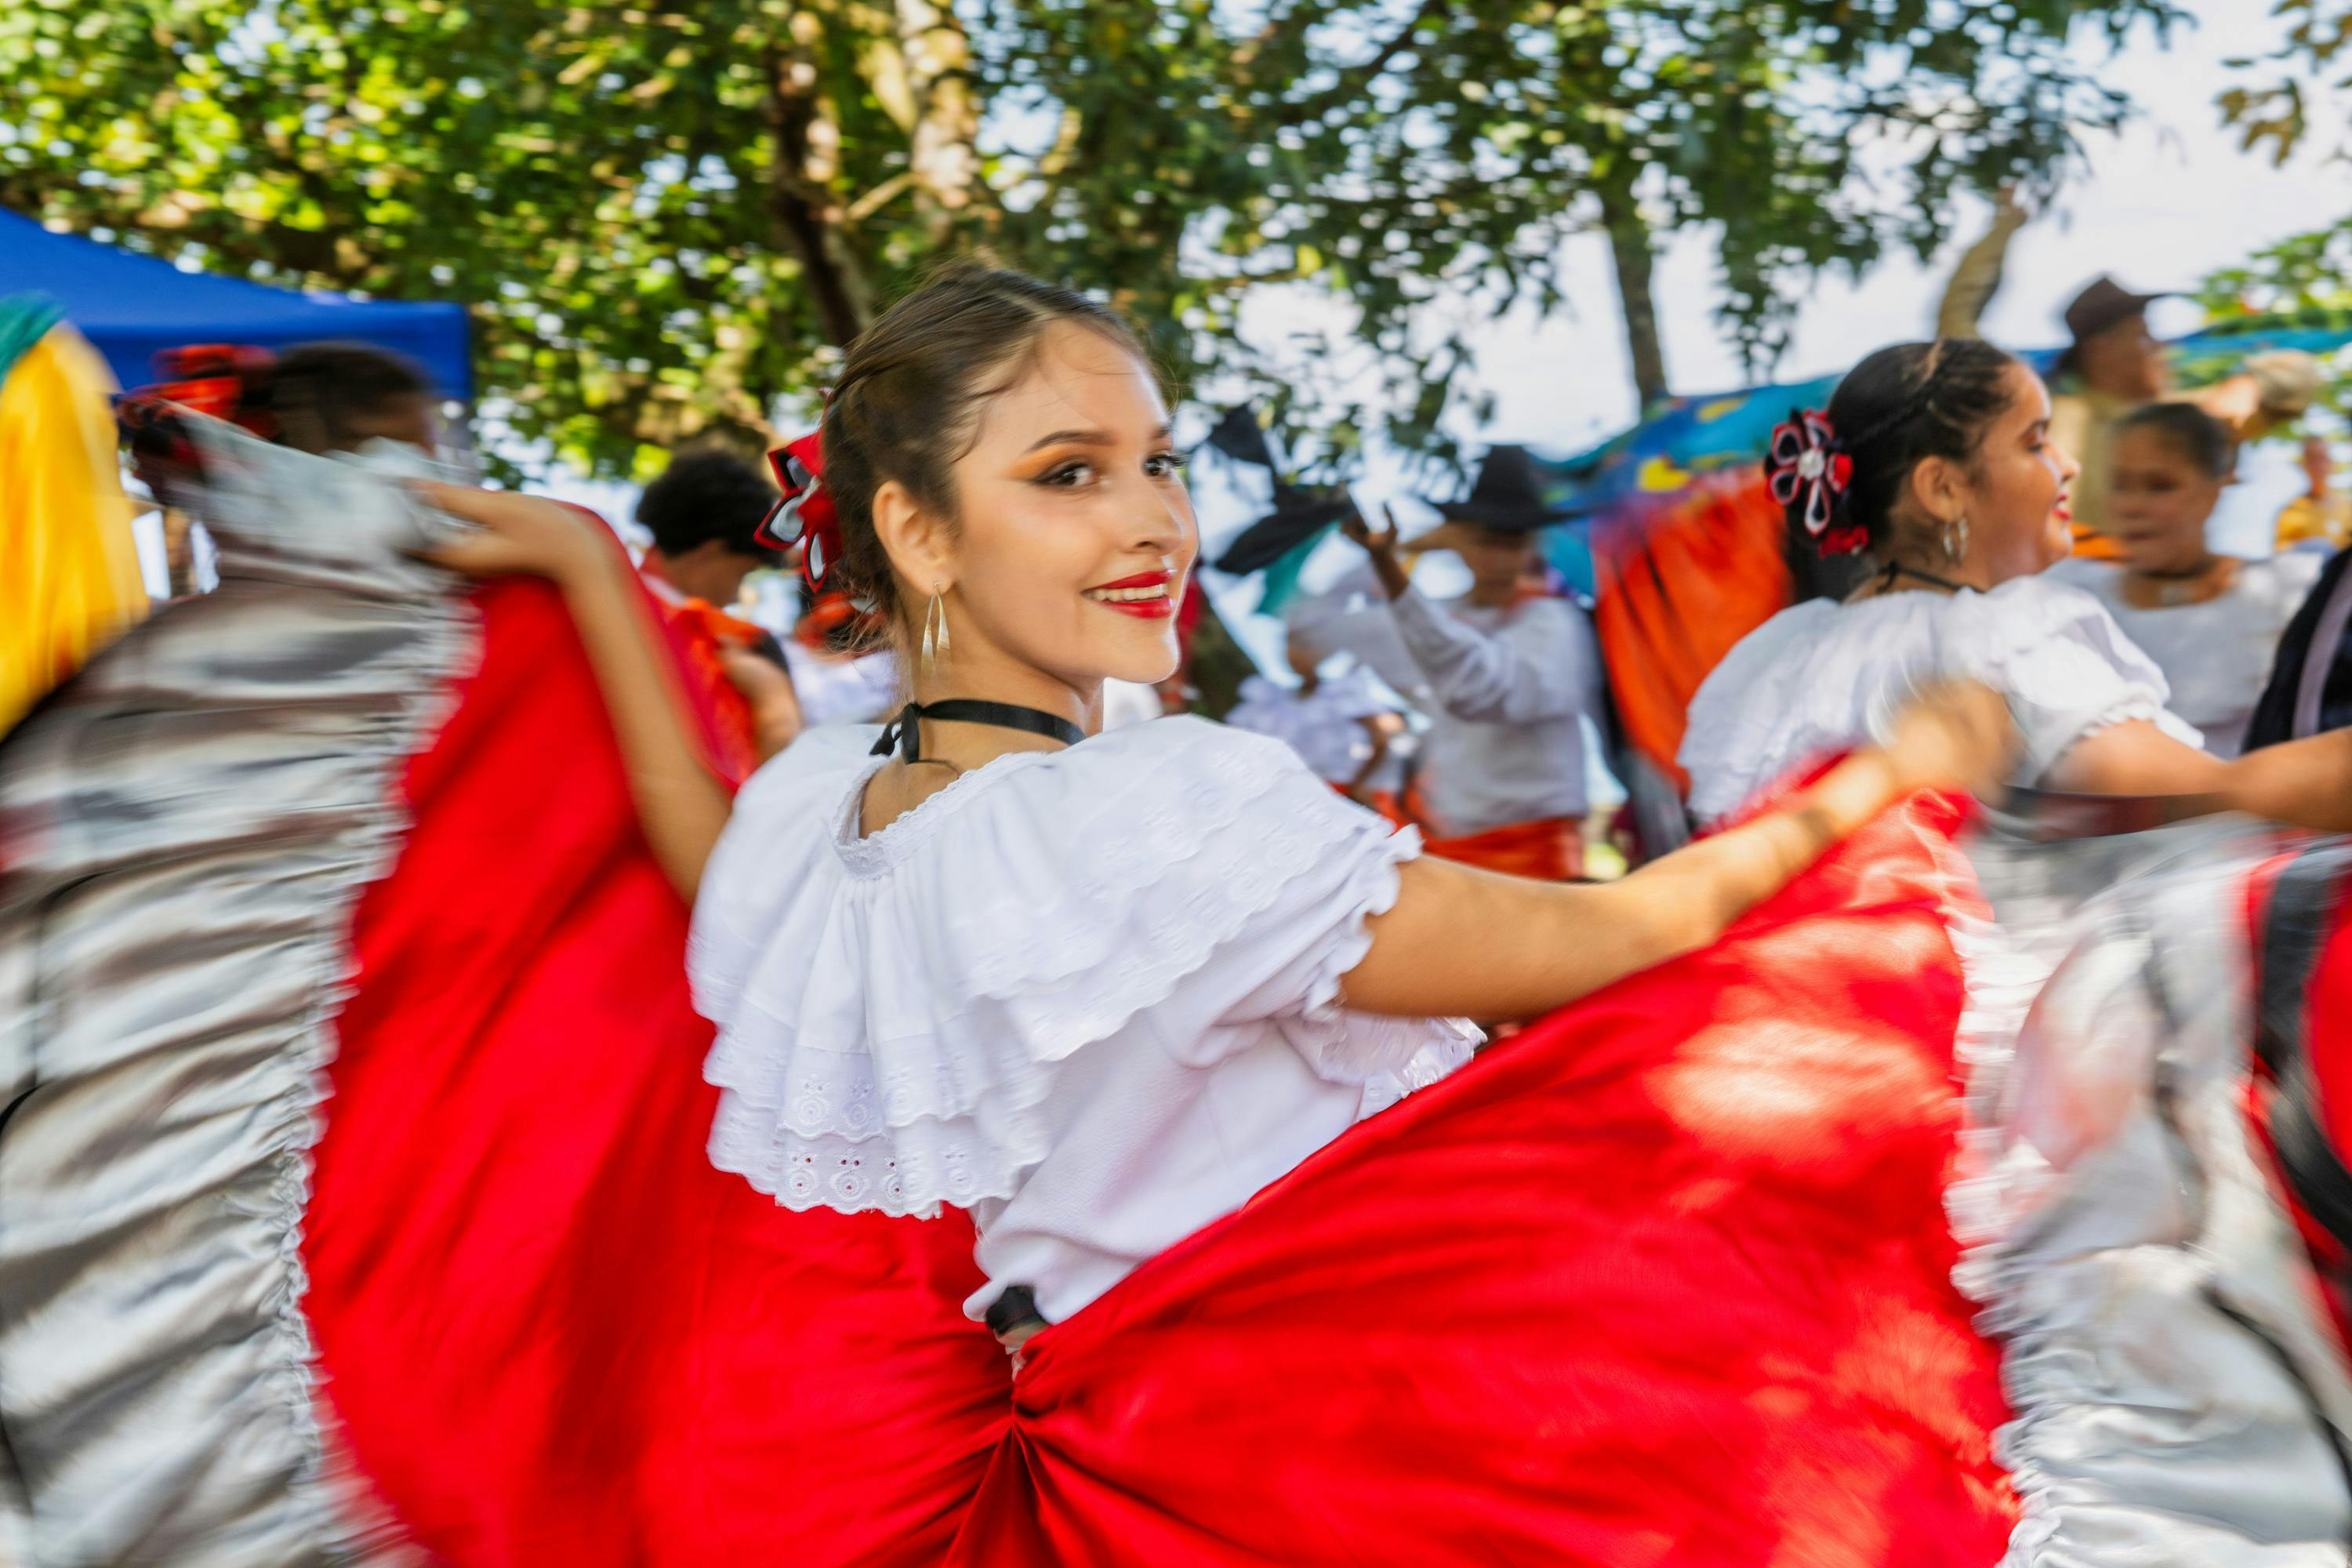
(1089, 438)
(1071, 438)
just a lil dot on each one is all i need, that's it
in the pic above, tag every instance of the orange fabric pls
(2092, 546)
(1383, 804)
(1677, 589)
(699, 631)
(1551, 850)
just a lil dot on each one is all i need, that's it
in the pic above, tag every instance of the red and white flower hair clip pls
(1808, 470)
(805, 515)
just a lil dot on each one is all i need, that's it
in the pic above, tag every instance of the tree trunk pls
(1629, 247)
(944, 157)
(802, 143)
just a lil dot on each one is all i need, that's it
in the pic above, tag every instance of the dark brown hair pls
(708, 493)
(1905, 405)
(324, 394)
(907, 406)
(2190, 431)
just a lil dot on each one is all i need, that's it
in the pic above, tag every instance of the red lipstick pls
(1147, 595)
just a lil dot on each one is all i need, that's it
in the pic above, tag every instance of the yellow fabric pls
(68, 570)
(2314, 517)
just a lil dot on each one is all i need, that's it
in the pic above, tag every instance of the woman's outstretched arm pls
(681, 803)
(2307, 783)
(1463, 941)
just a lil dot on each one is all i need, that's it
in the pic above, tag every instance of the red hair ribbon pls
(1808, 471)
(221, 381)
(805, 515)
(226, 381)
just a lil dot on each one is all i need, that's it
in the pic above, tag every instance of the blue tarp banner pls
(130, 307)
(1689, 437)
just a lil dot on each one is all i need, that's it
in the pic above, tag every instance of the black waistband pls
(1015, 1307)
(2044, 816)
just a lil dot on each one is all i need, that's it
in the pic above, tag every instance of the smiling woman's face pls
(1074, 537)
(2014, 491)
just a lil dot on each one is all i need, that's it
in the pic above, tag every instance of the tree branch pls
(803, 227)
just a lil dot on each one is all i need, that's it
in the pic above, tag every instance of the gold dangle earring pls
(935, 631)
(1956, 540)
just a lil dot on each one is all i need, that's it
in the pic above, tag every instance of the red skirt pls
(552, 1335)
(1663, 1281)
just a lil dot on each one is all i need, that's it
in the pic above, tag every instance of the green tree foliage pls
(2272, 110)
(668, 220)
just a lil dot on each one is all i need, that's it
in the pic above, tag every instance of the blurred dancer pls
(1935, 460)
(1338, 725)
(2113, 366)
(353, 1143)
(1509, 674)
(704, 513)
(2321, 518)
(2211, 622)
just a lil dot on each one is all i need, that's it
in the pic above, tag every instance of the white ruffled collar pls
(866, 854)
(891, 1016)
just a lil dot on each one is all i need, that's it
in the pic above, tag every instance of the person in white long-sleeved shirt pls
(1506, 676)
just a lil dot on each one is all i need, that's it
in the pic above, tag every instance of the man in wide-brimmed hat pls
(2112, 365)
(1508, 673)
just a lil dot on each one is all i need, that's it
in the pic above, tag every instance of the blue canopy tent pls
(130, 307)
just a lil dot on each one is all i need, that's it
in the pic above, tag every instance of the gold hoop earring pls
(1956, 540)
(935, 631)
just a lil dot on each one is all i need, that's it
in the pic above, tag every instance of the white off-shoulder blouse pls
(1088, 996)
(1822, 677)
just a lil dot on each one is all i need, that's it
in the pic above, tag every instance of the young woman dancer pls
(2177, 1395)
(1936, 459)
(1105, 990)
(999, 457)
(2212, 622)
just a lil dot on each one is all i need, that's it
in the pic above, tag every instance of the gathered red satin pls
(553, 1336)
(1663, 1280)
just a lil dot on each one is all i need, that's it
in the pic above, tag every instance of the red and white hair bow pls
(1808, 471)
(805, 515)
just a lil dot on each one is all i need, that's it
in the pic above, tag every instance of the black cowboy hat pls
(2101, 304)
(1507, 496)
(1299, 513)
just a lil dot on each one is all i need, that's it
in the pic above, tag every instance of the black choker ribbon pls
(1894, 569)
(904, 734)
(2190, 575)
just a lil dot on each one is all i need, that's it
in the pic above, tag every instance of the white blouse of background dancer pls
(1101, 994)
(2090, 706)
(2170, 466)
